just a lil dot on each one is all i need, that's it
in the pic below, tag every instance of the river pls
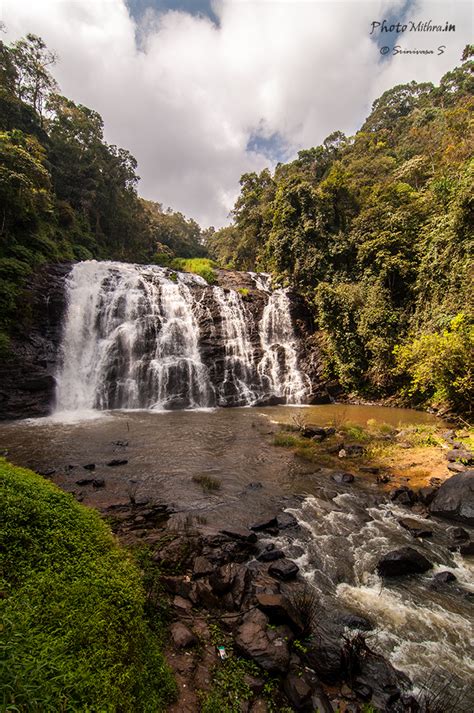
(344, 529)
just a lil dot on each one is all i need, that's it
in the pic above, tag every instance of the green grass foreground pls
(74, 634)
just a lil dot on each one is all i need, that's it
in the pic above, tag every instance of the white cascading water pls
(280, 359)
(132, 340)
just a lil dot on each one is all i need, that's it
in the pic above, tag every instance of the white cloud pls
(186, 99)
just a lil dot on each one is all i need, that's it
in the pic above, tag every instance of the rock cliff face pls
(27, 374)
(172, 341)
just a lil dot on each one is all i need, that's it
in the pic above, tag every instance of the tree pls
(34, 82)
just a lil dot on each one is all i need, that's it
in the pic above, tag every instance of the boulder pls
(342, 477)
(270, 555)
(286, 520)
(415, 528)
(298, 692)
(456, 467)
(284, 569)
(240, 533)
(443, 578)
(202, 567)
(426, 495)
(264, 524)
(280, 610)
(406, 560)
(467, 549)
(353, 621)
(265, 646)
(182, 637)
(98, 483)
(89, 466)
(455, 498)
(116, 462)
(222, 579)
(457, 534)
(403, 496)
(462, 455)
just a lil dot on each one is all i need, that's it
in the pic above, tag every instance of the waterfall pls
(140, 336)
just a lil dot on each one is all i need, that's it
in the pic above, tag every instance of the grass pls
(198, 265)
(208, 483)
(75, 633)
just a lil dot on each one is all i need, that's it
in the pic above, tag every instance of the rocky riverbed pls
(338, 578)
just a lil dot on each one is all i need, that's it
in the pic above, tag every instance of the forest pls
(374, 230)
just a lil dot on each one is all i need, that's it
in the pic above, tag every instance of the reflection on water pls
(349, 413)
(344, 529)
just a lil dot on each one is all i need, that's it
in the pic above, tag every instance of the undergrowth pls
(75, 633)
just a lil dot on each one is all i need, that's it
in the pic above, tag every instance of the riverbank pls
(181, 491)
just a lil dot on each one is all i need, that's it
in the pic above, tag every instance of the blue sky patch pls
(193, 7)
(273, 147)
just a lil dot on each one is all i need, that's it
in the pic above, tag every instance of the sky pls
(202, 91)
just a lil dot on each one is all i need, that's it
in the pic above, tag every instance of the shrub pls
(198, 265)
(439, 367)
(75, 632)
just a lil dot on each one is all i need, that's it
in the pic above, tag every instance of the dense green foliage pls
(75, 636)
(376, 231)
(65, 194)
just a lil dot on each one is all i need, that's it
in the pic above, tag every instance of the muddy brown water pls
(343, 529)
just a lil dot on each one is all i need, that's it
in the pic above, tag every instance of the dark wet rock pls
(98, 483)
(70, 466)
(467, 549)
(255, 684)
(45, 472)
(384, 478)
(335, 448)
(372, 671)
(182, 603)
(280, 610)
(240, 533)
(264, 524)
(89, 466)
(240, 585)
(352, 621)
(202, 567)
(177, 585)
(463, 455)
(426, 495)
(321, 702)
(457, 534)
(270, 555)
(286, 520)
(325, 656)
(85, 481)
(317, 432)
(298, 692)
(203, 594)
(182, 637)
(116, 462)
(362, 690)
(284, 569)
(403, 496)
(443, 578)
(405, 560)
(415, 528)
(254, 486)
(222, 579)
(265, 646)
(455, 498)
(342, 477)
(369, 469)
(456, 467)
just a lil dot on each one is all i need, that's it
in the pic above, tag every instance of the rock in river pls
(284, 569)
(406, 560)
(455, 498)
